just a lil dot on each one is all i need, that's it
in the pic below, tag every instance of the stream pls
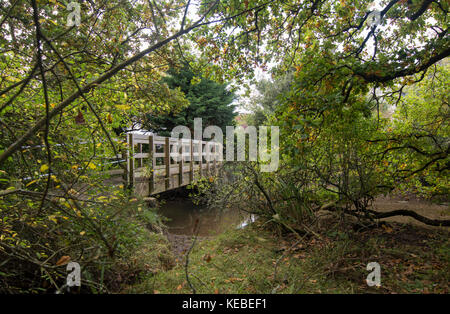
(183, 213)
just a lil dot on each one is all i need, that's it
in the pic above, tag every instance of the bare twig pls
(186, 265)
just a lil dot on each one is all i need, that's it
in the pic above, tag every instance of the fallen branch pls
(399, 212)
(413, 214)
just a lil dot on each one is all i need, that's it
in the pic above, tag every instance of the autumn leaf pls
(63, 260)
(79, 119)
(207, 258)
(233, 279)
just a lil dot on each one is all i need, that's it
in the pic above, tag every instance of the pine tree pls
(208, 100)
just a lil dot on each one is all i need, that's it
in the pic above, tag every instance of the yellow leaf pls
(123, 107)
(31, 182)
(82, 232)
(44, 167)
(12, 79)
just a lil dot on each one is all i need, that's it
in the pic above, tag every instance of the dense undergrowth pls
(114, 243)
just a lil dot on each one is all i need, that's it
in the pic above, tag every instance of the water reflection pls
(247, 221)
(212, 221)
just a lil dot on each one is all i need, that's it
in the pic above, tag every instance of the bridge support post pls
(215, 157)
(207, 157)
(191, 165)
(152, 164)
(200, 156)
(167, 162)
(181, 163)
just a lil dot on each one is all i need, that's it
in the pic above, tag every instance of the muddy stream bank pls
(182, 214)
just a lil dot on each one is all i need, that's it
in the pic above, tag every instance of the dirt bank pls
(180, 244)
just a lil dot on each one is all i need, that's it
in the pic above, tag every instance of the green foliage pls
(99, 233)
(336, 151)
(55, 201)
(417, 138)
(207, 99)
(289, 30)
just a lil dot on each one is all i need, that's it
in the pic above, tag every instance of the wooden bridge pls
(156, 164)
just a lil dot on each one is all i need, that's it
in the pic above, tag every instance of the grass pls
(254, 260)
(153, 255)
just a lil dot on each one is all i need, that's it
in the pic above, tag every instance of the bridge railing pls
(156, 163)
